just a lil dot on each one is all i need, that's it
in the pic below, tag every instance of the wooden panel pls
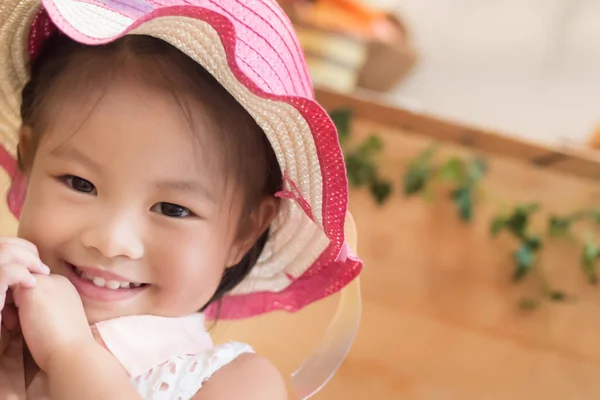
(579, 162)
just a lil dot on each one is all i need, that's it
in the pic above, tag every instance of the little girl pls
(169, 162)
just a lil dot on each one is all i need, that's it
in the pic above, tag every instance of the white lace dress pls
(181, 377)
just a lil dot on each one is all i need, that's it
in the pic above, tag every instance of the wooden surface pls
(440, 319)
(578, 161)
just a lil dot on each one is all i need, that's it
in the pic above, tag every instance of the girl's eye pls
(171, 210)
(79, 184)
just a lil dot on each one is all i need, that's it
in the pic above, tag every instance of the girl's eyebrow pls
(73, 154)
(194, 188)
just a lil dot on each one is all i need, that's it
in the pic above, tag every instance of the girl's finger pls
(20, 242)
(10, 317)
(3, 291)
(11, 253)
(16, 275)
(4, 338)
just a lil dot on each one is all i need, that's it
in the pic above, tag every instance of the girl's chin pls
(100, 312)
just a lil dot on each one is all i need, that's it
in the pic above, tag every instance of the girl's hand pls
(60, 340)
(19, 259)
(52, 319)
(10, 323)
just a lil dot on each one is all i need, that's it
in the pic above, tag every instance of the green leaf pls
(381, 190)
(341, 119)
(369, 148)
(524, 258)
(416, 179)
(426, 155)
(534, 242)
(528, 208)
(498, 223)
(528, 304)
(360, 166)
(453, 170)
(557, 295)
(419, 171)
(477, 170)
(359, 172)
(517, 222)
(559, 226)
(591, 253)
(464, 202)
(372, 145)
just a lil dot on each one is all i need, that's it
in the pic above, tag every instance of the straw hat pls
(251, 49)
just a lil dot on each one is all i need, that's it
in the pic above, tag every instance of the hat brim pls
(306, 257)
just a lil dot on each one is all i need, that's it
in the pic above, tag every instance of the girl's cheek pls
(47, 216)
(187, 259)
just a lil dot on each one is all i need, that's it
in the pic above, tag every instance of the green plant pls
(419, 172)
(590, 254)
(517, 224)
(360, 158)
(560, 226)
(464, 176)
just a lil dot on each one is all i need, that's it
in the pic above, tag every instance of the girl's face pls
(124, 202)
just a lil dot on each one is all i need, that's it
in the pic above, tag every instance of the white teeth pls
(113, 284)
(99, 281)
(109, 284)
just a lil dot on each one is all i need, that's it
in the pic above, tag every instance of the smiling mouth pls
(106, 283)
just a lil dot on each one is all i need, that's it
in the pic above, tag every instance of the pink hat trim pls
(335, 267)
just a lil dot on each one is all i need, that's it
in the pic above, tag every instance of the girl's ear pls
(24, 148)
(254, 226)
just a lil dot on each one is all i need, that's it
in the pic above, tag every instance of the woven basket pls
(343, 59)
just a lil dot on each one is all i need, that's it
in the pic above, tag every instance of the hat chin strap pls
(327, 357)
(322, 364)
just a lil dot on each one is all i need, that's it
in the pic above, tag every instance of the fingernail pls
(32, 280)
(45, 268)
(3, 288)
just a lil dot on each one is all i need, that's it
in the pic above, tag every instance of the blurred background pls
(509, 65)
(528, 68)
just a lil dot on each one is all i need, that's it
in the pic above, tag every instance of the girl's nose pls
(115, 237)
